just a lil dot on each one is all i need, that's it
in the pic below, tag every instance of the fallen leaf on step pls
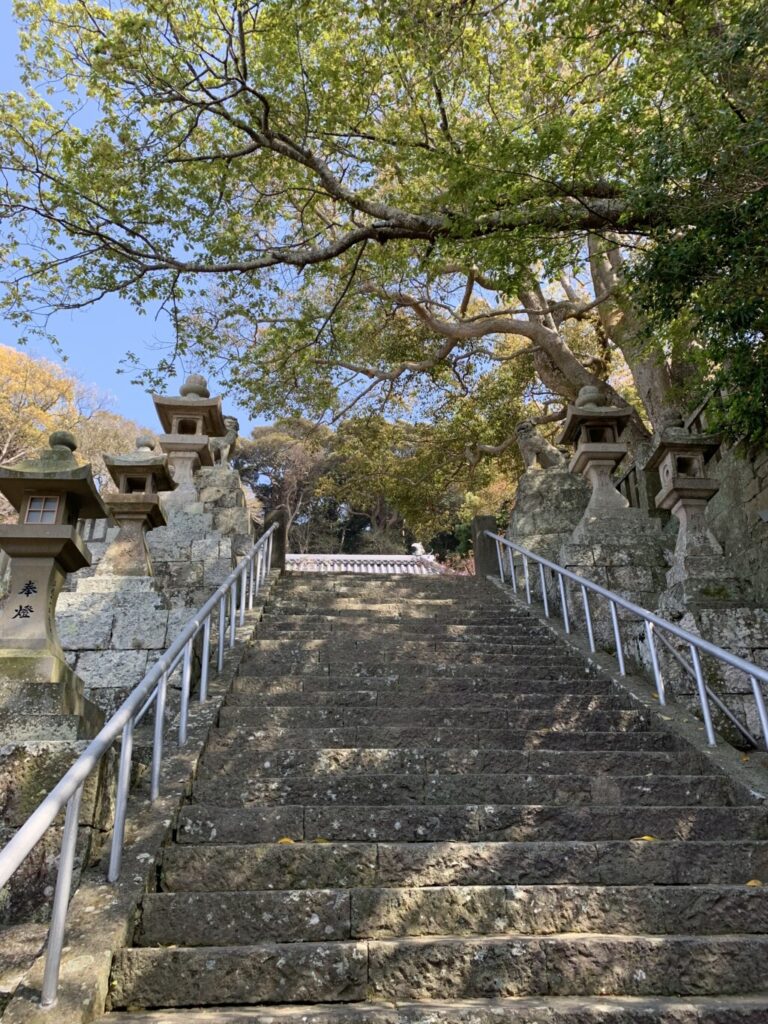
(644, 839)
(286, 839)
(754, 883)
(319, 839)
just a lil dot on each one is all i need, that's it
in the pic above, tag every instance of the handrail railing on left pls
(655, 628)
(237, 592)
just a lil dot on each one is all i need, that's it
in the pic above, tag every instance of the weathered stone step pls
(393, 650)
(418, 968)
(733, 1009)
(252, 763)
(522, 823)
(441, 686)
(432, 668)
(405, 645)
(234, 737)
(254, 696)
(313, 865)
(223, 918)
(318, 789)
(376, 717)
(204, 823)
(335, 625)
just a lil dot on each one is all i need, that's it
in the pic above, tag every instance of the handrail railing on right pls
(655, 627)
(237, 591)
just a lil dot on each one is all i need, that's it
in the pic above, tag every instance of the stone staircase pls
(419, 807)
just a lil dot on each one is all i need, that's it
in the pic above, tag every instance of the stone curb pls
(102, 917)
(672, 717)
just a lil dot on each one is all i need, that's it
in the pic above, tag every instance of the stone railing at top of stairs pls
(229, 603)
(397, 565)
(656, 630)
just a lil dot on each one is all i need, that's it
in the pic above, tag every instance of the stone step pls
(440, 686)
(376, 717)
(234, 737)
(317, 627)
(254, 696)
(416, 968)
(370, 644)
(253, 764)
(317, 789)
(432, 668)
(733, 1009)
(208, 823)
(321, 865)
(223, 918)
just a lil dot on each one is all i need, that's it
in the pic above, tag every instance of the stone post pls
(486, 559)
(279, 537)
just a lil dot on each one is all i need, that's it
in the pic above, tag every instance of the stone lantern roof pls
(193, 401)
(591, 409)
(142, 463)
(54, 471)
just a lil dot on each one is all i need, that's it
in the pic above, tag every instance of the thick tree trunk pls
(626, 329)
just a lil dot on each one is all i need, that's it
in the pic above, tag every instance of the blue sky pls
(95, 339)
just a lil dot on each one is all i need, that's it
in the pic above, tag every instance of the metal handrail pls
(653, 624)
(238, 590)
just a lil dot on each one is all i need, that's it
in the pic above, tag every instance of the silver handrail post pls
(512, 569)
(544, 597)
(564, 603)
(251, 574)
(500, 558)
(527, 580)
(157, 739)
(588, 618)
(232, 612)
(243, 595)
(617, 638)
(222, 633)
(121, 803)
(761, 712)
(205, 657)
(703, 699)
(186, 684)
(61, 900)
(657, 676)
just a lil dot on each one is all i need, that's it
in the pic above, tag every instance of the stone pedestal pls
(549, 501)
(702, 593)
(616, 546)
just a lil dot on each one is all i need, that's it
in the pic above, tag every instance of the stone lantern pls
(140, 477)
(700, 575)
(189, 419)
(595, 428)
(50, 493)
(681, 458)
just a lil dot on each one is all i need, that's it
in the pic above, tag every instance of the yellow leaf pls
(754, 883)
(644, 839)
(319, 840)
(286, 839)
